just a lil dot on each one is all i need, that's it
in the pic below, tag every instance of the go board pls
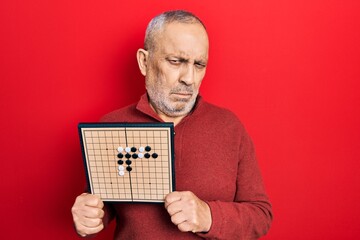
(128, 162)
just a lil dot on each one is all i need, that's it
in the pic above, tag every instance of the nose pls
(187, 74)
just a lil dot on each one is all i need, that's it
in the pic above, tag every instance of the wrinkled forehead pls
(187, 39)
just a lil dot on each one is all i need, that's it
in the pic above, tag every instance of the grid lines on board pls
(128, 164)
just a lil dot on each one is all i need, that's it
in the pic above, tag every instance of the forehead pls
(184, 39)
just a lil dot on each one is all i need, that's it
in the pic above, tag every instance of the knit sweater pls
(214, 159)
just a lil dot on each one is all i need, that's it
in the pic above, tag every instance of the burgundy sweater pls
(215, 159)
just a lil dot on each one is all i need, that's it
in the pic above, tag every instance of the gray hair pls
(157, 24)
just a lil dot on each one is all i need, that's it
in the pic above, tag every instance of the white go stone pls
(127, 149)
(140, 155)
(121, 168)
(141, 149)
(120, 149)
(121, 173)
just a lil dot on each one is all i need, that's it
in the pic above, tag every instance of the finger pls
(172, 197)
(85, 226)
(178, 218)
(94, 201)
(89, 200)
(81, 209)
(92, 212)
(88, 215)
(185, 227)
(174, 207)
(84, 230)
(91, 222)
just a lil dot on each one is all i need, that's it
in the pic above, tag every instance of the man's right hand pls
(88, 214)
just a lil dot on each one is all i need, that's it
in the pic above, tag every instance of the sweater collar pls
(144, 106)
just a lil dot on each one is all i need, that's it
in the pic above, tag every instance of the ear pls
(142, 57)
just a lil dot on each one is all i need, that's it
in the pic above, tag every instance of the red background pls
(288, 69)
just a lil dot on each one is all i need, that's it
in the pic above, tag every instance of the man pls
(220, 194)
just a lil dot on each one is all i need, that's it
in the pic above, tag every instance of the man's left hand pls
(188, 212)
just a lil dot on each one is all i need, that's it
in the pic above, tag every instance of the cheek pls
(199, 78)
(170, 77)
(154, 76)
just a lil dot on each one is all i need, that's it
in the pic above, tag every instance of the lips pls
(183, 93)
(182, 96)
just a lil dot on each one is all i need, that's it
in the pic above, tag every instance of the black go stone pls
(134, 156)
(128, 168)
(154, 155)
(128, 162)
(133, 149)
(120, 162)
(147, 155)
(120, 155)
(148, 148)
(128, 155)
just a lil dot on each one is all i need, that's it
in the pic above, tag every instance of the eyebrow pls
(186, 60)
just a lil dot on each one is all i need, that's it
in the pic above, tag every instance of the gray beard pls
(161, 103)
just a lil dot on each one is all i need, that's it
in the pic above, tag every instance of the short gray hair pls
(157, 24)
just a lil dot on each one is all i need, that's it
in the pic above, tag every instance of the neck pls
(166, 118)
(175, 120)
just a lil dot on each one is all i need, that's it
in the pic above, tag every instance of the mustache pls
(182, 89)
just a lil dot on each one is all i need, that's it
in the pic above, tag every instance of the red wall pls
(288, 69)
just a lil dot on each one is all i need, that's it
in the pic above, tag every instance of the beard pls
(171, 106)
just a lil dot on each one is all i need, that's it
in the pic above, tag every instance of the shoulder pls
(227, 122)
(208, 117)
(124, 114)
(216, 113)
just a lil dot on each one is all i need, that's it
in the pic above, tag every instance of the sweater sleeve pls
(249, 216)
(109, 214)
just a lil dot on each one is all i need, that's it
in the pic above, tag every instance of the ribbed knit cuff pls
(217, 221)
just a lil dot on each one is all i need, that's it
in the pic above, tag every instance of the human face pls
(176, 68)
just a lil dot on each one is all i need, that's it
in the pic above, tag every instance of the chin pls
(178, 111)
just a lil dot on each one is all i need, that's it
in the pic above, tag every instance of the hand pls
(188, 212)
(87, 214)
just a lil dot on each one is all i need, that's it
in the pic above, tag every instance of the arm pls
(248, 216)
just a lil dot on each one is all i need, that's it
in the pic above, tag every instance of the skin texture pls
(174, 69)
(87, 214)
(173, 74)
(188, 212)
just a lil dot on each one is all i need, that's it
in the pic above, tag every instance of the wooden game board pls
(128, 162)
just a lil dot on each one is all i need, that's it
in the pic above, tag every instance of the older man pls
(220, 191)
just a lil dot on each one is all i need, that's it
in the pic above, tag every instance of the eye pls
(200, 65)
(174, 61)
